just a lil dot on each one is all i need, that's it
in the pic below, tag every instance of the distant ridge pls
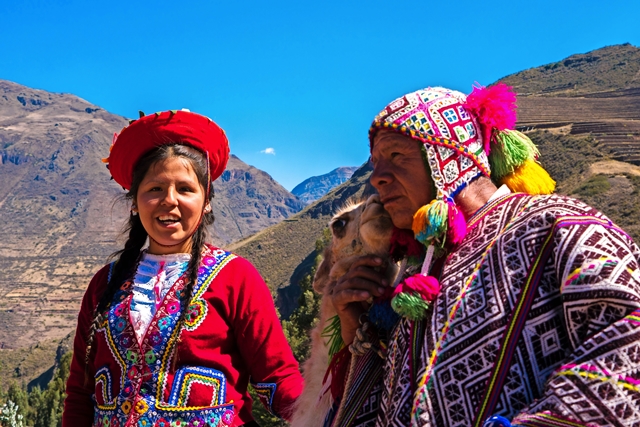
(596, 93)
(315, 187)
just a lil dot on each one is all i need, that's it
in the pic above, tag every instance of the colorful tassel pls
(427, 287)
(430, 222)
(512, 149)
(337, 372)
(530, 178)
(382, 315)
(495, 109)
(410, 306)
(457, 229)
(412, 296)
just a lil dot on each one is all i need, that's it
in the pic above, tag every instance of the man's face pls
(400, 176)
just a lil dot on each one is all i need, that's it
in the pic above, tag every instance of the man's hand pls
(365, 279)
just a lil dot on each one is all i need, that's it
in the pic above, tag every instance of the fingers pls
(354, 290)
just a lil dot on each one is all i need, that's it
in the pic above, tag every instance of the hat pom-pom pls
(530, 178)
(412, 296)
(495, 109)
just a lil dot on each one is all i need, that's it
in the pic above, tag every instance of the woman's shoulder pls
(232, 264)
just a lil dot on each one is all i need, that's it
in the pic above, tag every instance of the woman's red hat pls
(168, 127)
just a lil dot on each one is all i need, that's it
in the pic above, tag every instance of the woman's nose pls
(170, 197)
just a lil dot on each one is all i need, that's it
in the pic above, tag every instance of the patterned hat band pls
(446, 149)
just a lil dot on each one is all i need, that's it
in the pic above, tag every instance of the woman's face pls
(170, 202)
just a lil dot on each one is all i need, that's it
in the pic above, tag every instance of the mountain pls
(285, 252)
(62, 216)
(248, 200)
(315, 187)
(596, 93)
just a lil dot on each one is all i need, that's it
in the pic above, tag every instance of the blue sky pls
(294, 83)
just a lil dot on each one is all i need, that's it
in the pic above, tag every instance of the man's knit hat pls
(464, 138)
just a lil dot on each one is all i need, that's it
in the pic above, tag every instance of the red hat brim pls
(169, 127)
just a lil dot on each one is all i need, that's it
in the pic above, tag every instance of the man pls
(525, 309)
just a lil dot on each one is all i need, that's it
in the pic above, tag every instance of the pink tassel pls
(457, 229)
(427, 286)
(494, 108)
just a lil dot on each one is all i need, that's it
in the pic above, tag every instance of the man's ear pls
(321, 278)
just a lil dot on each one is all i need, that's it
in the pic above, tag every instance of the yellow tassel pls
(530, 178)
(421, 219)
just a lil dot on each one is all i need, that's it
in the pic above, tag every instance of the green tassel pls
(410, 305)
(333, 331)
(513, 148)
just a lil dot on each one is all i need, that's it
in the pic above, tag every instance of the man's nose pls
(380, 175)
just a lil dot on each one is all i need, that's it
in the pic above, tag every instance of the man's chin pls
(402, 221)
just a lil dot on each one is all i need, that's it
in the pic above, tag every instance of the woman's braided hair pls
(127, 258)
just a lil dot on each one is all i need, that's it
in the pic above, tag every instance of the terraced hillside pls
(596, 93)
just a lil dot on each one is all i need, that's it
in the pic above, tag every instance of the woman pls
(170, 335)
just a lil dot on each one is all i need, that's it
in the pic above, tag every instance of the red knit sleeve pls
(78, 405)
(274, 371)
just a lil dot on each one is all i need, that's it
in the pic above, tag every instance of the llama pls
(357, 229)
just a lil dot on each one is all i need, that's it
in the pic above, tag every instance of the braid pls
(122, 270)
(197, 243)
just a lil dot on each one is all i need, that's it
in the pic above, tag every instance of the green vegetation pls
(38, 408)
(597, 184)
(297, 328)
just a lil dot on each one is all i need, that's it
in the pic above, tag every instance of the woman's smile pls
(170, 202)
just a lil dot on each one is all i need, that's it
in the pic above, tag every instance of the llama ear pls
(321, 278)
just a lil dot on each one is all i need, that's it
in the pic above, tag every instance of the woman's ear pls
(207, 208)
(134, 209)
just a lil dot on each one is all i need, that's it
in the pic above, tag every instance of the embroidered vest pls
(137, 386)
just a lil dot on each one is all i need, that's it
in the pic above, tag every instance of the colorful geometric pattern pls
(145, 368)
(437, 117)
(577, 361)
(188, 377)
(265, 392)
